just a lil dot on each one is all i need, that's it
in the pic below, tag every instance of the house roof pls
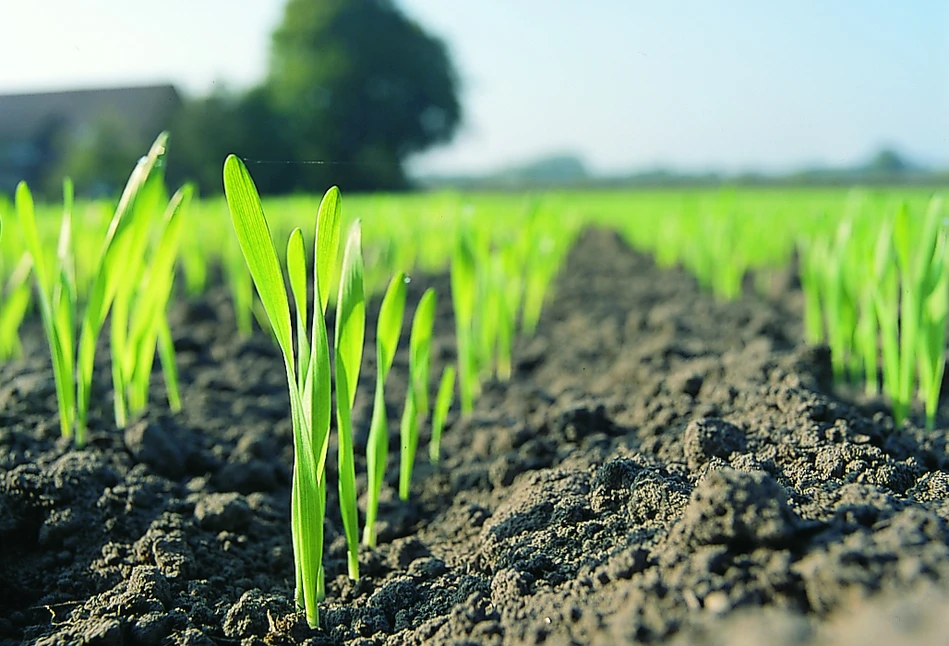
(145, 109)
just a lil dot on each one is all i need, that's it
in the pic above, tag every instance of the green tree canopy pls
(888, 161)
(206, 130)
(98, 158)
(358, 83)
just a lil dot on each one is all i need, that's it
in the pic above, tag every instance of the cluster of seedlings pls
(498, 282)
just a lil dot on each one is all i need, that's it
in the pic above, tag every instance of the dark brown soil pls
(662, 468)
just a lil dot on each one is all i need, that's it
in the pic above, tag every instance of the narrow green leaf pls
(318, 386)
(149, 315)
(296, 268)
(351, 315)
(52, 317)
(463, 280)
(409, 441)
(902, 237)
(242, 287)
(463, 294)
(127, 262)
(159, 279)
(388, 331)
(318, 389)
(64, 252)
(389, 324)
(443, 401)
(14, 309)
(420, 349)
(26, 214)
(253, 234)
(350, 335)
(327, 243)
(166, 351)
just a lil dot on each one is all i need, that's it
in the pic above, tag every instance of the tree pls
(98, 158)
(203, 132)
(888, 162)
(206, 130)
(359, 84)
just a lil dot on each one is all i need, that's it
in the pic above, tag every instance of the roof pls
(146, 109)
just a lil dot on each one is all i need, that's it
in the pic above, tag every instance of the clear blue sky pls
(733, 85)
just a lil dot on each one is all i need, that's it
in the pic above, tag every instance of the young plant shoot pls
(132, 249)
(308, 381)
(327, 249)
(147, 320)
(15, 307)
(73, 363)
(932, 333)
(443, 401)
(56, 296)
(388, 330)
(921, 260)
(886, 305)
(349, 339)
(416, 397)
(420, 349)
(241, 287)
(464, 285)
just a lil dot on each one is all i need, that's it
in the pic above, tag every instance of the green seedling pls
(132, 248)
(416, 396)
(443, 401)
(55, 295)
(143, 328)
(464, 287)
(932, 333)
(349, 339)
(920, 254)
(388, 330)
(420, 349)
(241, 287)
(14, 308)
(310, 405)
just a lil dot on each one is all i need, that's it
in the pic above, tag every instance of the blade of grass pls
(416, 396)
(296, 266)
(388, 330)
(420, 349)
(463, 293)
(327, 242)
(349, 339)
(443, 401)
(150, 305)
(51, 317)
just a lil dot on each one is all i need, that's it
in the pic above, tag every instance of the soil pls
(662, 468)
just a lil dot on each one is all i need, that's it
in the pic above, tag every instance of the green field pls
(325, 279)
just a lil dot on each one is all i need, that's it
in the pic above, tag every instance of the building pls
(35, 128)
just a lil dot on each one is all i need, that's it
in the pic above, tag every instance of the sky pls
(729, 85)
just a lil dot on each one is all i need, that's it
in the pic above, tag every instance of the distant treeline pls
(886, 168)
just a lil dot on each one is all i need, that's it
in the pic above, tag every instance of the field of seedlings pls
(677, 417)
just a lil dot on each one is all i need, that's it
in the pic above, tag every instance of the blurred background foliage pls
(353, 84)
(352, 91)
